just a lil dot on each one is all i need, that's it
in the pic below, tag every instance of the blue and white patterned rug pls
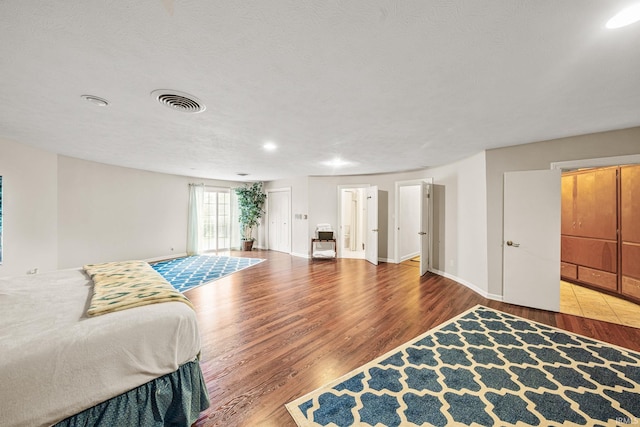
(488, 368)
(193, 271)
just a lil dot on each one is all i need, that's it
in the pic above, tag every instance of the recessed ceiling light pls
(625, 17)
(95, 100)
(269, 146)
(337, 162)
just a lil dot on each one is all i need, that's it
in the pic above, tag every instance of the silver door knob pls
(510, 243)
(422, 233)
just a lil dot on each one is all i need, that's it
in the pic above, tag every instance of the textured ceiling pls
(389, 86)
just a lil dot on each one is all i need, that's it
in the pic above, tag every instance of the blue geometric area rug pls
(193, 271)
(485, 368)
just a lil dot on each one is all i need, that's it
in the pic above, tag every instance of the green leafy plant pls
(251, 200)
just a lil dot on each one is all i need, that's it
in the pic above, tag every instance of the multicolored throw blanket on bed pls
(128, 284)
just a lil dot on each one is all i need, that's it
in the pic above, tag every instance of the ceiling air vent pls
(179, 101)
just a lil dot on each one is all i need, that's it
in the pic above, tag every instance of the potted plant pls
(251, 200)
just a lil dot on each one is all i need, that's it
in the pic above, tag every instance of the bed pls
(59, 365)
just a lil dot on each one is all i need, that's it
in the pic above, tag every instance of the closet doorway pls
(587, 301)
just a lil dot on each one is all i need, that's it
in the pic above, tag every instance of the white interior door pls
(531, 239)
(425, 238)
(371, 245)
(279, 216)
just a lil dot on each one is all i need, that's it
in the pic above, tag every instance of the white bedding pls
(55, 361)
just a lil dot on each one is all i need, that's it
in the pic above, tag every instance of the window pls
(217, 223)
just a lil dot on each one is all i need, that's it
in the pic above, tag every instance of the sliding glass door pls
(217, 220)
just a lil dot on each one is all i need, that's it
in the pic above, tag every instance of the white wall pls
(323, 202)
(29, 209)
(460, 215)
(460, 219)
(111, 213)
(540, 155)
(62, 212)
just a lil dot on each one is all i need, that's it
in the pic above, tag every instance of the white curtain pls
(195, 222)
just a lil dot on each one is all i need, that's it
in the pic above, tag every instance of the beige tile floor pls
(585, 302)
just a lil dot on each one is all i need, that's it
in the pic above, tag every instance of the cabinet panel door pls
(596, 204)
(594, 253)
(569, 271)
(631, 287)
(568, 219)
(598, 278)
(631, 260)
(630, 203)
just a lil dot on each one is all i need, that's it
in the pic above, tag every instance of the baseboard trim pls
(407, 257)
(495, 297)
(469, 285)
(300, 255)
(166, 257)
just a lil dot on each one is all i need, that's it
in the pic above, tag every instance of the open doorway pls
(409, 224)
(588, 301)
(352, 227)
(413, 224)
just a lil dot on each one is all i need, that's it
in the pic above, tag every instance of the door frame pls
(597, 162)
(339, 235)
(372, 251)
(631, 159)
(396, 245)
(575, 164)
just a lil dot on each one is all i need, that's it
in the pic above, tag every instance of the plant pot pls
(247, 245)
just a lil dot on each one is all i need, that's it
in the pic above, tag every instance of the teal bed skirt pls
(175, 399)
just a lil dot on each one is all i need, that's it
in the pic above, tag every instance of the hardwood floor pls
(278, 330)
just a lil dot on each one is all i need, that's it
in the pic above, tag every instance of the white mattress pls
(55, 361)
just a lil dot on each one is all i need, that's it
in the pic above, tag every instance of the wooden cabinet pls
(589, 204)
(600, 243)
(596, 203)
(630, 230)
